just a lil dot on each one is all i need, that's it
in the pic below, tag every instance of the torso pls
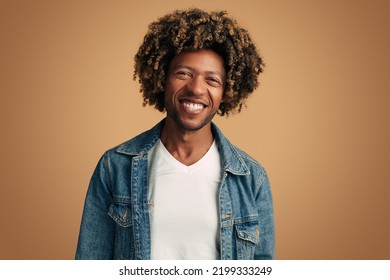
(184, 205)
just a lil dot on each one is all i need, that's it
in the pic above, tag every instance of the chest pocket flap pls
(248, 231)
(120, 211)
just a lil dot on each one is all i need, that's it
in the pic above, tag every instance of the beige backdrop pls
(319, 123)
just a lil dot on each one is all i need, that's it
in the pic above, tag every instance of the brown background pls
(319, 123)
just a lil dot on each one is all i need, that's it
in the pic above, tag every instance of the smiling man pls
(181, 190)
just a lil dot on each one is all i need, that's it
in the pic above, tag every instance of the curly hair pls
(192, 30)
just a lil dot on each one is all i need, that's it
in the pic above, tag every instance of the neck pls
(186, 146)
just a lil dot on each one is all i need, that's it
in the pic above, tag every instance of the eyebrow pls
(192, 69)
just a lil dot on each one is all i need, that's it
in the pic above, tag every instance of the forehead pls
(202, 60)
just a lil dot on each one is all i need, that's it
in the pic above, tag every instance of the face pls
(194, 88)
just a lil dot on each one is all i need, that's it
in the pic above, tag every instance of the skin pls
(193, 92)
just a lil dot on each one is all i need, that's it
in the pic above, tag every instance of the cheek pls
(169, 88)
(218, 97)
(169, 96)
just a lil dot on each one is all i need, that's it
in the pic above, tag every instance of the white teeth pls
(192, 106)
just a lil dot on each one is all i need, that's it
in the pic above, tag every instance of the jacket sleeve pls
(266, 247)
(97, 230)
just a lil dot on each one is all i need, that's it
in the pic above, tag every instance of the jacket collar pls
(141, 144)
(231, 158)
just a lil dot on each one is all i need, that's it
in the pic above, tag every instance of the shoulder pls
(139, 144)
(236, 160)
(251, 162)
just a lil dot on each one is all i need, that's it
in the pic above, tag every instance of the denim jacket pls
(115, 222)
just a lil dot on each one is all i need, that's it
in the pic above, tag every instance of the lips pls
(192, 106)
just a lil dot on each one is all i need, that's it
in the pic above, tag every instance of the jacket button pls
(227, 215)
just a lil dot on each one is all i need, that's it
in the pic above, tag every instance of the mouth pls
(192, 106)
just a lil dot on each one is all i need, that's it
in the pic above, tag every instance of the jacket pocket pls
(120, 211)
(248, 236)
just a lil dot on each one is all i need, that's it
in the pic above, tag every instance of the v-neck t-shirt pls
(183, 204)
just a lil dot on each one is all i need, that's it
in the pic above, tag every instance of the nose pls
(197, 85)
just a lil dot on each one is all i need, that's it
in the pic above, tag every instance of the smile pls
(193, 106)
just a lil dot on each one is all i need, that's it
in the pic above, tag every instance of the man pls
(181, 190)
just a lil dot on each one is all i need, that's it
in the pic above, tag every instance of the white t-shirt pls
(183, 203)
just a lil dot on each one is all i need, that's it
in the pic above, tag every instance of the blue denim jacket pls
(115, 222)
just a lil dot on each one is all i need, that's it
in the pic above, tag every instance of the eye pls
(213, 81)
(183, 74)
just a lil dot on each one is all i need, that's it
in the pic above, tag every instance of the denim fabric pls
(115, 222)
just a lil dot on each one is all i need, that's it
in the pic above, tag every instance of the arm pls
(266, 247)
(97, 230)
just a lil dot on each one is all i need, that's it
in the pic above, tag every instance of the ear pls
(223, 99)
(161, 85)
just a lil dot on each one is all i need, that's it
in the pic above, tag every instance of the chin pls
(192, 125)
